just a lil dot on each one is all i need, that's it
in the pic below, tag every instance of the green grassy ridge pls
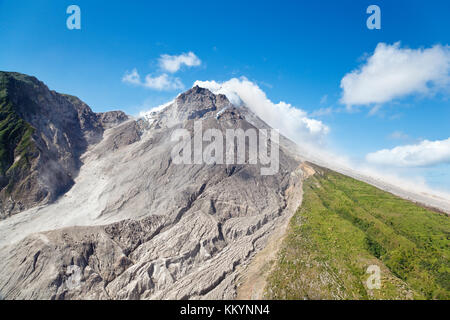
(345, 225)
(15, 143)
(6, 77)
(15, 139)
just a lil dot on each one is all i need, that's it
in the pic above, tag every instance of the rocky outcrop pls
(43, 135)
(52, 261)
(111, 118)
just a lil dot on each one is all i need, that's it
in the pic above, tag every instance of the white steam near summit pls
(292, 122)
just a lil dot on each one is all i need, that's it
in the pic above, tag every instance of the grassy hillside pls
(16, 145)
(343, 227)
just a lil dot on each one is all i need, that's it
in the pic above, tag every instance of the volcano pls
(94, 207)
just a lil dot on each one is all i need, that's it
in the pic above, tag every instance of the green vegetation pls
(16, 145)
(345, 225)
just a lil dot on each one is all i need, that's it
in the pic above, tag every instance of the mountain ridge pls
(44, 134)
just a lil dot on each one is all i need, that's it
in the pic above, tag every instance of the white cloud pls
(393, 72)
(292, 122)
(396, 180)
(173, 63)
(162, 82)
(132, 77)
(425, 153)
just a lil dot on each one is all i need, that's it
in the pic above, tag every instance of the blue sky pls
(295, 51)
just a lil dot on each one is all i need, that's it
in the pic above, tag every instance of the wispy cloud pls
(398, 135)
(393, 72)
(322, 112)
(132, 77)
(163, 82)
(173, 63)
(425, 153)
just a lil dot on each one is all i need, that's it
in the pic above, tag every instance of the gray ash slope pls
(141, 227)
(42, 137)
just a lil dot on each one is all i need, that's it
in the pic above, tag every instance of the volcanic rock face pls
(135, 225)
(43, 135)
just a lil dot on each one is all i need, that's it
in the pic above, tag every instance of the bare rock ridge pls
(137, 226)
(43, 135)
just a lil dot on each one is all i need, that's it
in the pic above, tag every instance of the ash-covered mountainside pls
(42, 136)
(135, 225)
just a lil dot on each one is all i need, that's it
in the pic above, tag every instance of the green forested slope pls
(16, 145)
